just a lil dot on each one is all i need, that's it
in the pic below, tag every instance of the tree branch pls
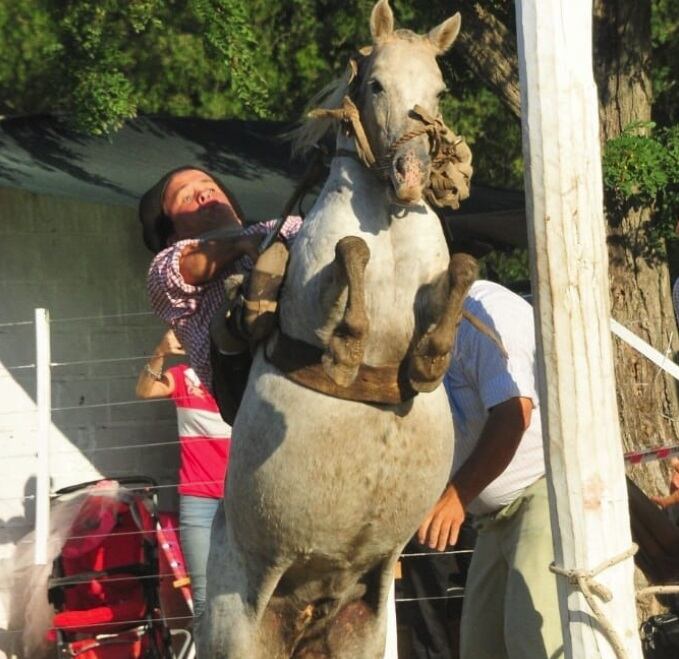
(489, 50)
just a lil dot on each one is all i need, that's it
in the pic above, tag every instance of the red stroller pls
(105, 582)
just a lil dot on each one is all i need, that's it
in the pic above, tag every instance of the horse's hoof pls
(353, 249)
(425, 372)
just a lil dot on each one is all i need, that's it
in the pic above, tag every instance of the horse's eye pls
(376, 87)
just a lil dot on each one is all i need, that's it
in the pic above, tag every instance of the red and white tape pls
(651, 454)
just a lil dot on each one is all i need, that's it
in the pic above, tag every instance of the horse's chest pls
(408, 254)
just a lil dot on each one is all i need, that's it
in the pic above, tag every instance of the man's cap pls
(155, 224)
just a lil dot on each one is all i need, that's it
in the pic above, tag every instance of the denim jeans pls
(195, 521)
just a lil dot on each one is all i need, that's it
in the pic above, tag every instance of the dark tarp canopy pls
(41, 155)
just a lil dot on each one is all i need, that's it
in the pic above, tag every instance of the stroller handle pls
(143, 481)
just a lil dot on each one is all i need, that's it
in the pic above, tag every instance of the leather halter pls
(451, 168)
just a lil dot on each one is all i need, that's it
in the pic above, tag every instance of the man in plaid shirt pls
(193, 224)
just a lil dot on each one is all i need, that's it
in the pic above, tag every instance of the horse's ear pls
(443, 36)
(381, 21)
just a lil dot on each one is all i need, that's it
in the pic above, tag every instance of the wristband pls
(156, 375)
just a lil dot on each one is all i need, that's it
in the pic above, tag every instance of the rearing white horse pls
(343, 440)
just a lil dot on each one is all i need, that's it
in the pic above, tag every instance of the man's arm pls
(200, 262)
(495, 449)
(672, 499)
(152, 382)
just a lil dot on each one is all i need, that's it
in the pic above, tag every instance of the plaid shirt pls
(188, 309)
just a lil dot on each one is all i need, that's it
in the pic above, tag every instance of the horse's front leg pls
(346, 345)
(430, 359)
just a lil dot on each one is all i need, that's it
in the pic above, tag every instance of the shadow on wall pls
(15, 527)
(16, 530)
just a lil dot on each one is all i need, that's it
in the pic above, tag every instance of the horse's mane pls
(312, 131)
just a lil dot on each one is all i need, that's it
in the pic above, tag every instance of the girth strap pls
(301, 362)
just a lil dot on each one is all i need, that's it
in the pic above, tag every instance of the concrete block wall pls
(86, 261)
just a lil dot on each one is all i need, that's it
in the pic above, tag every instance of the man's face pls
(195, 205)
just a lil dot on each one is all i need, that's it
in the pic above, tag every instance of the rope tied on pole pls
(584, 581)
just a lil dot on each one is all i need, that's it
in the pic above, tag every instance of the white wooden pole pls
(588, 497)
(391, 645)
(44, 403)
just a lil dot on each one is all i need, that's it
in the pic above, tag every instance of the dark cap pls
(156, 226)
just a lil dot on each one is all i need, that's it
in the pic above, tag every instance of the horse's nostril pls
(400, 165)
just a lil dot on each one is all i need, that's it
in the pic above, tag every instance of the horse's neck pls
(358, 187)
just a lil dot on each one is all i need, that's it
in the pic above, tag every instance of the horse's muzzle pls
(409, 175)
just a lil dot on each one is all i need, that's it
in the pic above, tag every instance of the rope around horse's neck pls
(349, 114)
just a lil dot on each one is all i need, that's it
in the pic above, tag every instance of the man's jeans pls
(195, 521)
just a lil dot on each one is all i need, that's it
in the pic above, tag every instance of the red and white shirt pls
(188, 309)
(204, 438)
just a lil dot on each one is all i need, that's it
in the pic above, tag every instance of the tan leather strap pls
(301, 362)
(350, 115)
(482, 327)
(260, 306)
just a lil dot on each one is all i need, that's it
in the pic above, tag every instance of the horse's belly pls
(313, 474)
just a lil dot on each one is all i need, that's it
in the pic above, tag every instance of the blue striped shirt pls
(480, 377)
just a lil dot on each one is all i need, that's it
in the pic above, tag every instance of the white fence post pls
(44, 404)
(588, 495)
(391, 645)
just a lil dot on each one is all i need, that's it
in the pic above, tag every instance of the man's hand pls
(169, 345)
(673, 497)
(201, 262)
(442, 525)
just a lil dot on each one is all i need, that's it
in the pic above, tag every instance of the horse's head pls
(396, 74)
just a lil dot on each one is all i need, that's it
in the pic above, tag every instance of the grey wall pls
(78, 260)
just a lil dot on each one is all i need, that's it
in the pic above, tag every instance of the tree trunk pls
(490, 52)
(640, 286)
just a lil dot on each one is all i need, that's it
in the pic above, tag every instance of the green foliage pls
(665, 61)
(27, 41)
(90, 62)
(231, 40)
(98, 63)
(641, 169)
(510, 268)
(304, 44)
(101, 100)
(491, 131)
